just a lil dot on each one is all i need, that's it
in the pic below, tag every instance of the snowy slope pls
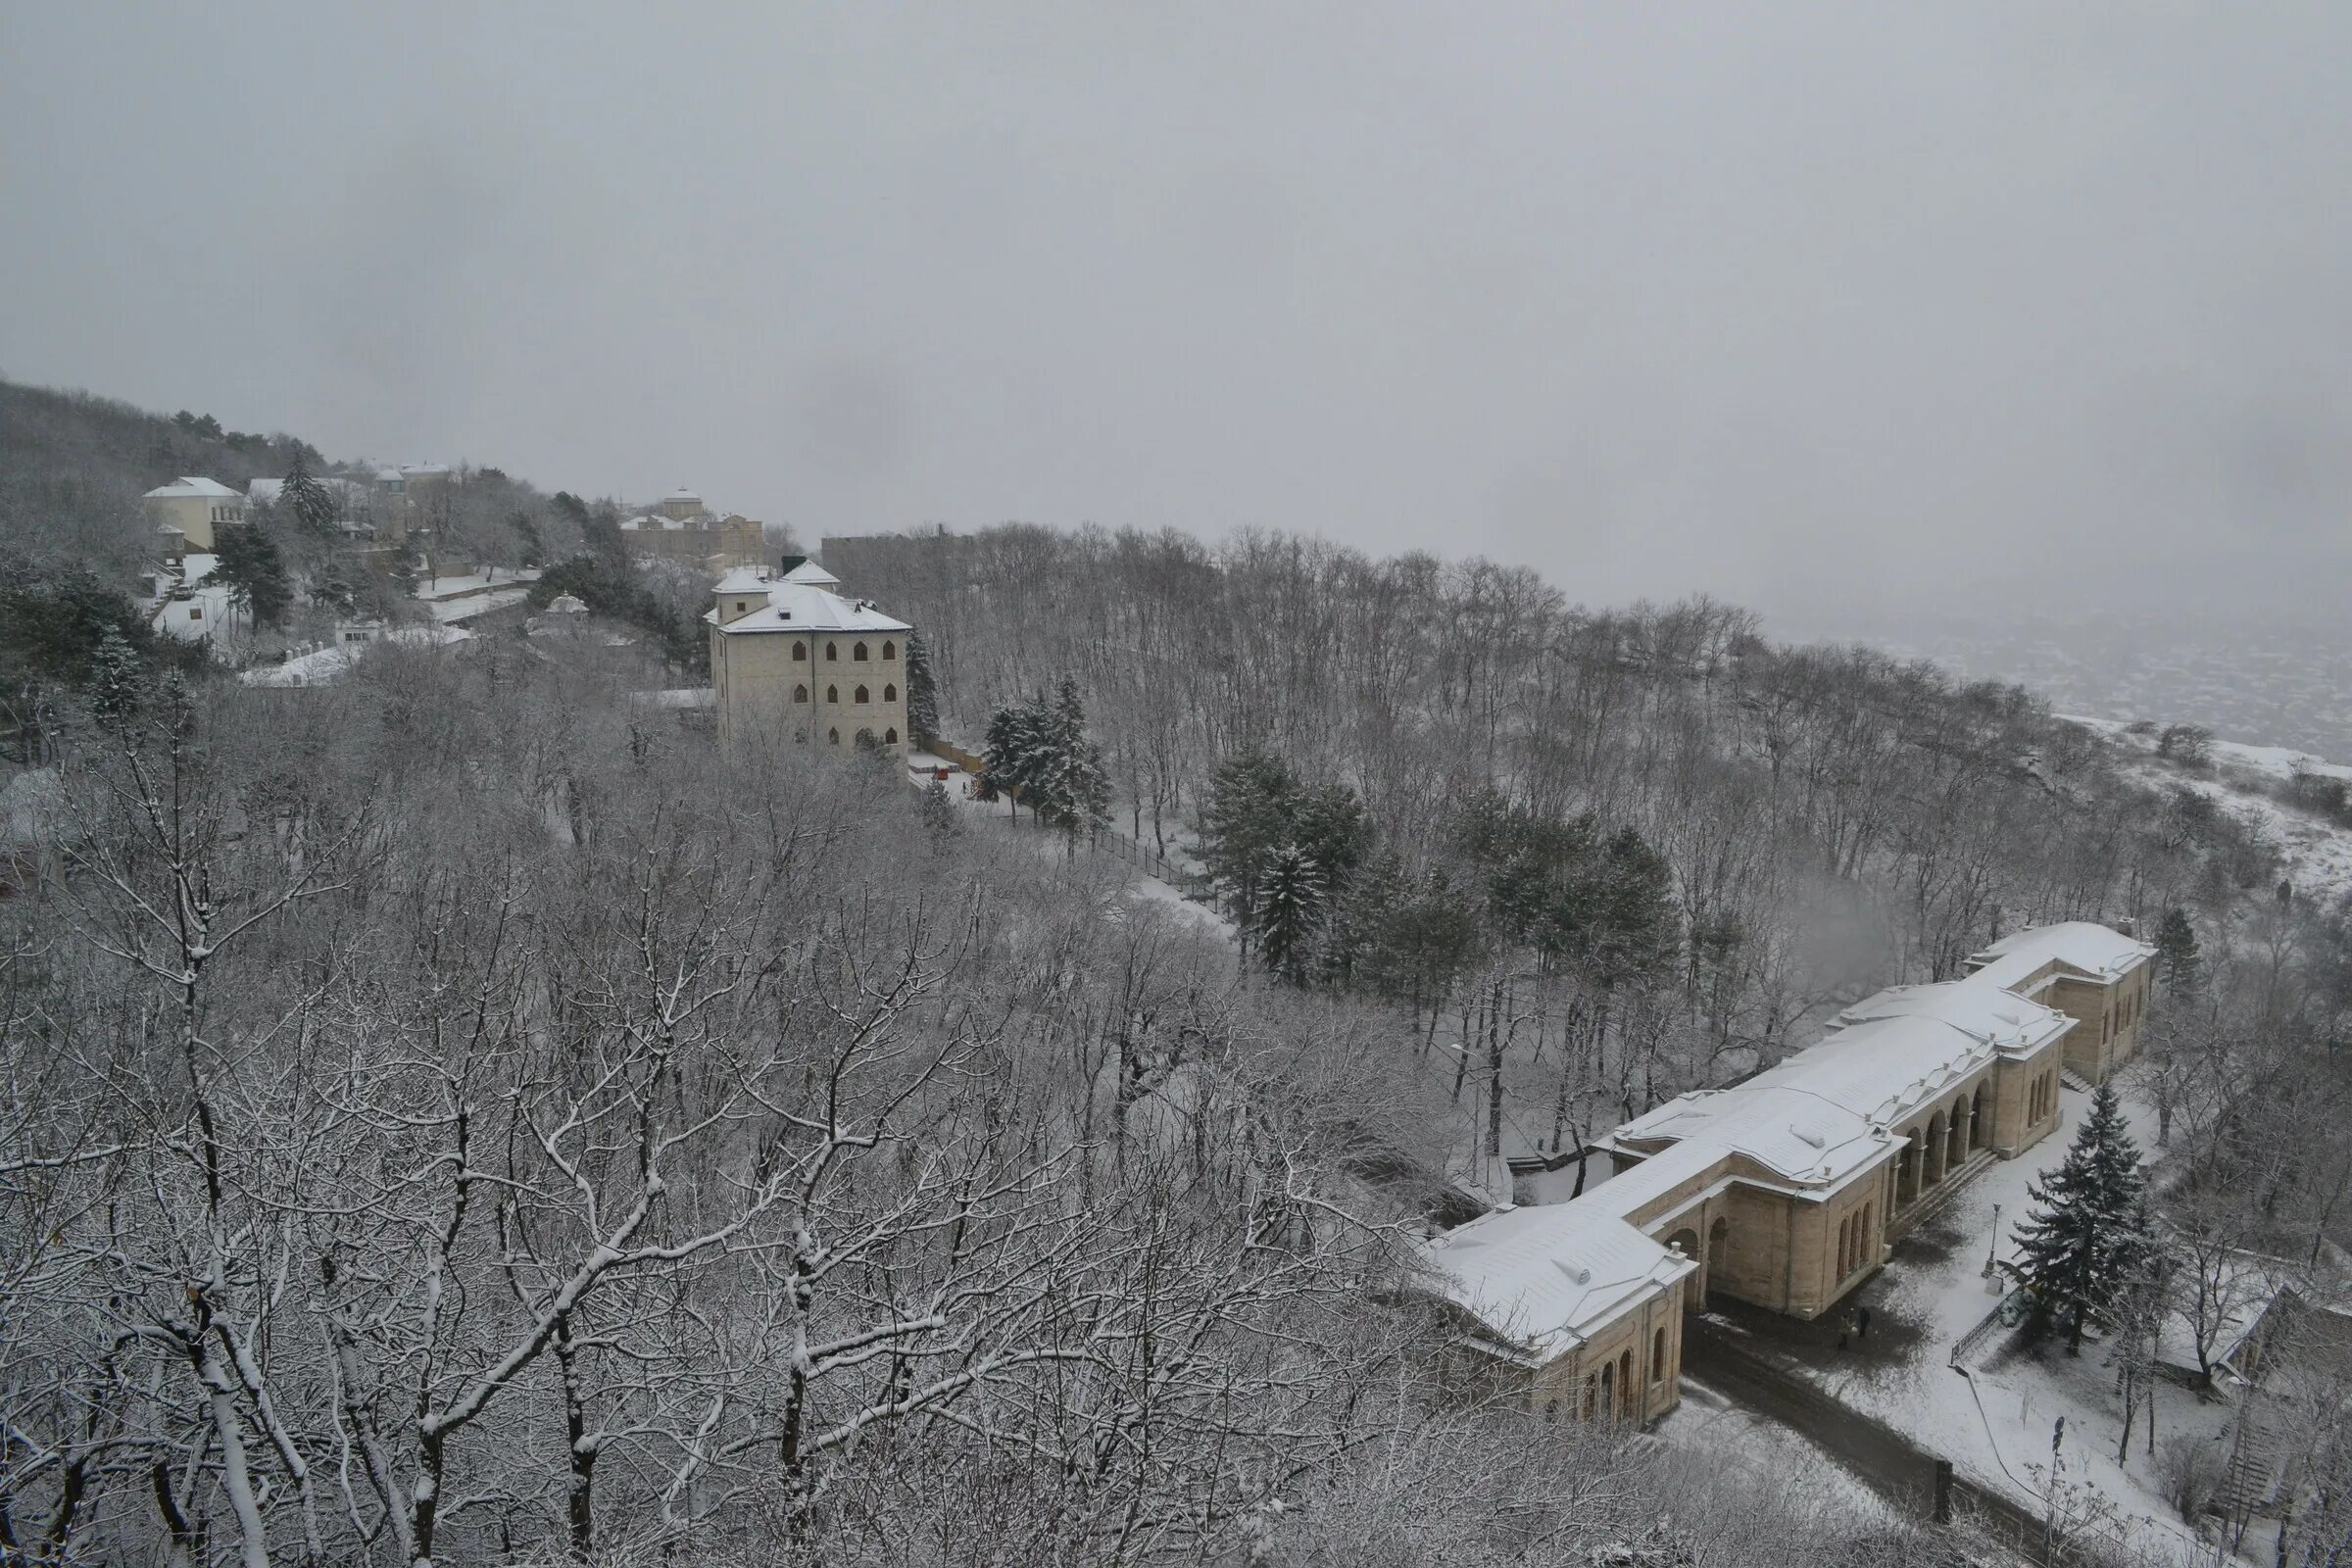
(2318, 853)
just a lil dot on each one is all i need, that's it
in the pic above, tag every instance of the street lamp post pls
(1993, 1247)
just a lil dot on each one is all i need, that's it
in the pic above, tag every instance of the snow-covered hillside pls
(2251, 782)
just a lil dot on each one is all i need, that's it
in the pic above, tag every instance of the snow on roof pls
(681, 493)
(2083, 945)
(1542, 1277)
(646, 521)
(325, 665)
(809, 572)
(1819, 1116)
(744, 580)
(800, 607)
(193, 485)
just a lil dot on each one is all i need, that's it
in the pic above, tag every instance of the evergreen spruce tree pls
(1074, 782)
(251, 566)
(2089, 1240)
(1249, 811)
(1358, 940)
(115, 677)
(1293, 894)
(922, 691)
(309, 503)
(1014, 750)
(2180, 966)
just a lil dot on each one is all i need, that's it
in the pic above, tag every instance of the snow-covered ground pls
(432, 588)
(447, 610)
(325, 665)
(2318, 853)
(922, 768)
(1995, 1421)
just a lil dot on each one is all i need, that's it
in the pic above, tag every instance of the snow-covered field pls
(2318, 853)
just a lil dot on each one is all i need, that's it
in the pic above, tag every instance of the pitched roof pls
(809, 572)
(194, 485)
(2084, 945)
(1542, 1277)
(800, 607)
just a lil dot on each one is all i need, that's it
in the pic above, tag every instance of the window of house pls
(890, 650)
(890, 691)
(832, 653)
(800, 694)
(832, 693)
(890, 737)
(833, 737)
(195, 612)
(799, 651)
(861, 694)
(1657, 1357)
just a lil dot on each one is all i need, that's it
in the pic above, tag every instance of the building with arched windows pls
(791, 657)
(1785, 1190)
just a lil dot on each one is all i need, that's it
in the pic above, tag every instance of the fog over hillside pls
(1318, 784)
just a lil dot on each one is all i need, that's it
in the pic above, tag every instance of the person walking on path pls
(1861, 1324)
(1845, 1328)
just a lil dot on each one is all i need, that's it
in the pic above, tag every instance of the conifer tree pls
(115, 676)
(922, 691)
(2089, 1240)
(1291, 909)
(2180, 966)
(1009, 752)
(311, 505)
(251, 566)
(1071, 776)
(1248, 814)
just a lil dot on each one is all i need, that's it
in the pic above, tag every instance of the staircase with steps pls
(2074, 1080)
(2254, 1470)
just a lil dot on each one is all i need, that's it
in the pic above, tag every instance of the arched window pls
(800, 694)
(890, 737)
(831, 653)
(832, 693)
(833, 737)
(1657, 1357)
(857, 652)
(889, 691)
(861, 694)
(799, 651)
(890, 650)
(1589, 1405)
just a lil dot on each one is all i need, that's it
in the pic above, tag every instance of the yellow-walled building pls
(1786, 1190)
(187, 511)
(792, 658)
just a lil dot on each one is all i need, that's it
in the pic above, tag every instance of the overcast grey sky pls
(1798, 303)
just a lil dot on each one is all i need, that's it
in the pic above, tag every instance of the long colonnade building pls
(1786, 1190)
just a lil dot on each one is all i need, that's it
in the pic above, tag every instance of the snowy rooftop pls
(1536, 1274)
(193, 485)
(809, 572)
(1543, 1277)
(1815, 1117)
(2083, 945)
(801, 607)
